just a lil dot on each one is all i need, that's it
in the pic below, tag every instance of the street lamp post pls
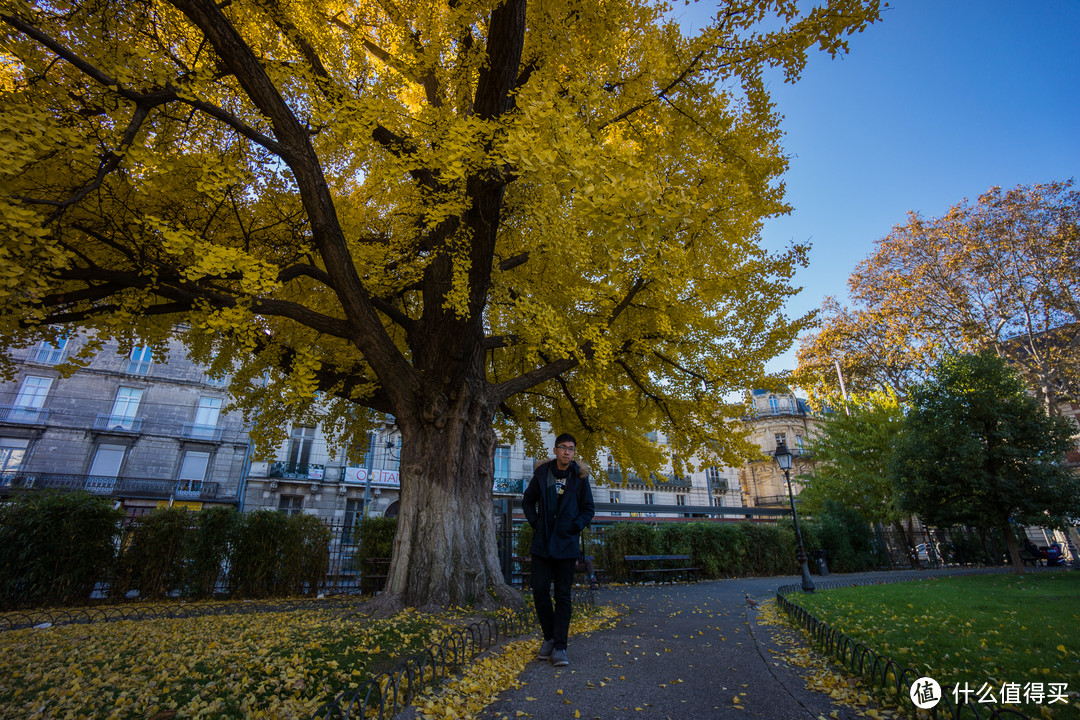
(783, 459)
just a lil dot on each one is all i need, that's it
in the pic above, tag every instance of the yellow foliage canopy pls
(455, 212)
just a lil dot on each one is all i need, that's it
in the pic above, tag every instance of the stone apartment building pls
(777, 417)
(150, 431)
(146, 431)
(305, 476)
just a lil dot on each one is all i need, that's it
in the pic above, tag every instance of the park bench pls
(658, 566)
(1028, 558)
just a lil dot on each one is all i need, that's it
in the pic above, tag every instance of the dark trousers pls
(554, 622)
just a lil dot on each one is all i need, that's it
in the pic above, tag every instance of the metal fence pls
(386, 694)
(880, 669)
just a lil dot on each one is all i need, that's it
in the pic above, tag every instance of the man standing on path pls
(558, 504)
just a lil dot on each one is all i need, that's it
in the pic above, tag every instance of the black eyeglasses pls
(565, 448)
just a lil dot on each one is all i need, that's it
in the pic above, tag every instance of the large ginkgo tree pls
(472, 215)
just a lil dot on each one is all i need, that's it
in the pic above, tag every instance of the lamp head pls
(783, 456)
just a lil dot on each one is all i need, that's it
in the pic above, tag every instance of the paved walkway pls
(682, 652)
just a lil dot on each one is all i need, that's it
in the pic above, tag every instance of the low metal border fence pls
(867, 662)
(388, 693)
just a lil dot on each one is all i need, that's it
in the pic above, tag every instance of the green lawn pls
(988, 629)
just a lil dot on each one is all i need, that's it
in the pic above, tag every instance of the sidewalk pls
(682, 652)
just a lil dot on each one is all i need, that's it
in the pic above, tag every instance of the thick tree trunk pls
(1014, 549)
(445, 552)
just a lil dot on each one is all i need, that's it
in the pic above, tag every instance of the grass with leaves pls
(273, 665)
(987, 629)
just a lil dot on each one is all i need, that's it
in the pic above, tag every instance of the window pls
(680, 499)
(650, 498)
(712, 474)
(31, 398)
(33, 391)
(125, 407)
(12, 453)
(193, 471)
(49, 353)
(774, 404)
(291, 504)
(718, 501)
(614, 499)
(300, 446)
(208, 412)
(105, 468)
(798, 443)
(781, 439)
(502, 462)
(140, 359)
(354, 509)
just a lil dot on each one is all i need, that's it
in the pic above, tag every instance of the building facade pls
(777, 417)
(306, 476)
(146, 431)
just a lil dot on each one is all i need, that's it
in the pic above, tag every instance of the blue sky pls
(939, 101)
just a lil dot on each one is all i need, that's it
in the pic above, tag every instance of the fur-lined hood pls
(583, 469)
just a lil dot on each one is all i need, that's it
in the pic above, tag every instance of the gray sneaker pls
(558, 658)
(545, 650)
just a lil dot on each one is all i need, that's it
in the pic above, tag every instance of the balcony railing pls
(117, 487)
(24, 415)
(299, 471)
(104, 422)
(615, 477)
(210, 433)
(509, 485)
(721, 485)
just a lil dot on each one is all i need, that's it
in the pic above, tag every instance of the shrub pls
(253, 563)
(306, 555)
(154, 554)
(54, 547)
(622, 539)
(376, 542)
(208, 549)
(846, 538)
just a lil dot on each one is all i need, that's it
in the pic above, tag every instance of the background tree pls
(851, 451)
(1000, 273)
(472, 216)
(874, 349)
(977, 450)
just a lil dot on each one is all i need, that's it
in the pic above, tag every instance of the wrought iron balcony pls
(509, 485)
(615, 477)
(23, 415)
(105, 422)
(720, 485)
(209, 433)
(298, 471)
(116, 487)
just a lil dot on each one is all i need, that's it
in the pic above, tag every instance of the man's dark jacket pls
(575, 511)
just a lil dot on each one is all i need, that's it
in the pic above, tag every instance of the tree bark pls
(445, 552)
(1014, 548)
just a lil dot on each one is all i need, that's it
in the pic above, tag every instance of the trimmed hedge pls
(54, 547)
(275, 554)
(736, 549)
